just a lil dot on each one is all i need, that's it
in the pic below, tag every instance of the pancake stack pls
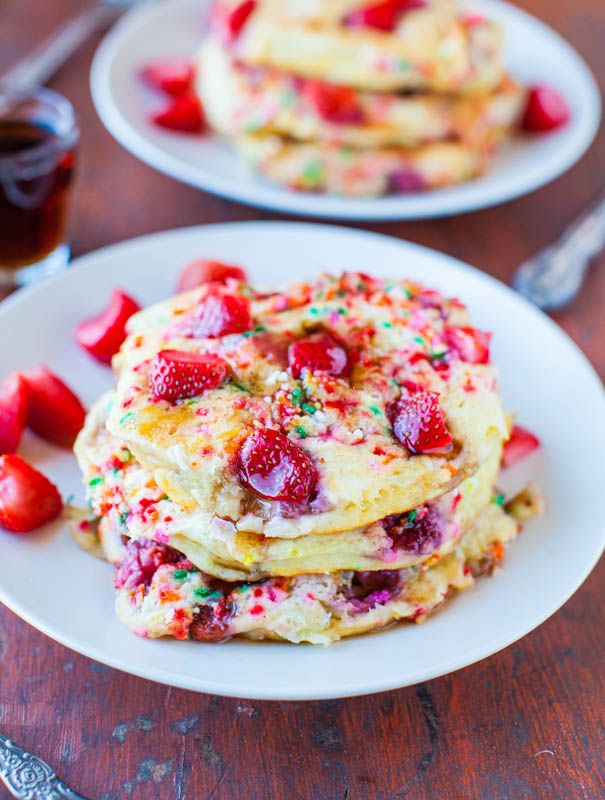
(300, 465)
(358, 97)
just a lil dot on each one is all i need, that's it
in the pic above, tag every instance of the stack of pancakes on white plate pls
(341, 474)
(358, 97)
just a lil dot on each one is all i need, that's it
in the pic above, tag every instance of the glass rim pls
(66, 134)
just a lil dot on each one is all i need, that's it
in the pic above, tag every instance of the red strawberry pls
(205, 270)
(419, 425)
(55, 413)
(174, 375)
(276, 468)
(546, 110)
(382, 16)
(184, 114)
(406, 181)
(338, 104)
(172, 75)
(318, 353)
(470, 344)
(237, 18)
(27, 499)
(14, 400)
(216, 315)
(521, 443)
(103, 334)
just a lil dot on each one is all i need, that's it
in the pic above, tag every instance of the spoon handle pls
(27, 777)
(553, 277)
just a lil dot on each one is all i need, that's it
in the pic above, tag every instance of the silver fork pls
(27, 777)
(553, 277)
(43, 61)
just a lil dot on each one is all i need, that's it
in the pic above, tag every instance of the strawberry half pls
(214, 316)
(521, 443)
(318, 353)
(204, 271)
(237, 18)
(419, 425)
(171, 75)
(382, 16)
(55, 412)
(14, 401)
(546, 110)
(469, 344)
(276, 468)
(103, 334)
(338, 104)
(27, 499)
(184, 114)
(175, 375)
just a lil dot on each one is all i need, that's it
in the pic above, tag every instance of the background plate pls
(67, 594)
(534, 54)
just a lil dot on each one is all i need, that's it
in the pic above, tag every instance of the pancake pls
(130, 503)
(435, 48)
(239, 100)
(159, 593)
(399, 339)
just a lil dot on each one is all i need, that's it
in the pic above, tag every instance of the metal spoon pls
(553, 277)
(42, 62)
(27, 777)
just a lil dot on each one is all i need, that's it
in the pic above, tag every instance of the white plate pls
(68, 594)
(534, 53)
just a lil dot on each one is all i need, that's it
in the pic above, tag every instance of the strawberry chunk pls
(28, 500)
(338, 104)
(14, 401)
(55, 412)
(382, 16)
(275, 468)
(469, 344)
(103, 334)
(184, 114)
(174, 375)
(171, 75)
(419, 425)
(216, 315)
(141, 560)
(318, 353)
(204, 271)
(546, 110)
(237, 18)
(521, 443)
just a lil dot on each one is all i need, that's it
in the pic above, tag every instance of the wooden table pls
(522, 724)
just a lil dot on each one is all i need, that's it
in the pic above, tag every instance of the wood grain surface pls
(526, 723)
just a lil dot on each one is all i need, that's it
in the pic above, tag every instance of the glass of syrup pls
(38, 139)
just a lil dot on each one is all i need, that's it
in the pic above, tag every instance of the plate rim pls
(160, 674)
(274, 198)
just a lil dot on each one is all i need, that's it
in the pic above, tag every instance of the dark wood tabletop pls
(525, 723)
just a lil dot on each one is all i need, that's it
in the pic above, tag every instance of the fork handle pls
(27, 777)
(554, 276)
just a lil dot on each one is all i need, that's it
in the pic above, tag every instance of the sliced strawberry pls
(546, 110)
(140, 561)
(216, 315)
(318, 353)
(103, 334)
(521, 443)
(338, 104)
(419, 425)
(171, 75)
(382, 16)
(470, 344)
(275, 468)
(237, 18)
(14, 401)
(205, 270)
(174, 375)
(27, 499)
(55, 412)
(184, 114)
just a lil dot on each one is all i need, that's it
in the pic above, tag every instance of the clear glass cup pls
(38, 139)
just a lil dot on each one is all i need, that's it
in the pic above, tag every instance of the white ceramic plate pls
(534, 53)
(68, 594)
